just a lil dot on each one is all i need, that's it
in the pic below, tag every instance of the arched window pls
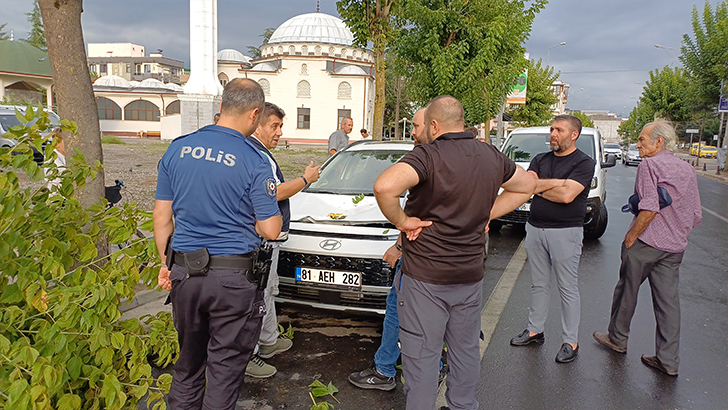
(303, 89)
(265, 85)
(343, 52)
(354, 54)
(331, 51)
(344, 92)
(304, 69)
(173, 108)
(304, 50)
(223, 78)
(280, 49)
(141, 110)
(108, 110)
(291, 49)
(317, 50)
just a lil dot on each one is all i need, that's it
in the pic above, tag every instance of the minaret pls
(201, 98)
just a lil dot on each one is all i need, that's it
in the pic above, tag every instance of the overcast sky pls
(609, 51)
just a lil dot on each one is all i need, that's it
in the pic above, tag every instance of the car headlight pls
(594, 183)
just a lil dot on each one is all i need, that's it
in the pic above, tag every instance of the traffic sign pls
(692, 131)
(723, 104)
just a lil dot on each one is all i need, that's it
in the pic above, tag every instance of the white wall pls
(171, 126)
(117, 50)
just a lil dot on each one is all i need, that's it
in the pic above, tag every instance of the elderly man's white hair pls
(665, 130)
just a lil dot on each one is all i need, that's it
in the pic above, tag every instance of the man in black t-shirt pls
(440, 286)
(554, 233)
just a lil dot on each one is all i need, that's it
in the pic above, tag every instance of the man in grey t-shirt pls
(339, 139)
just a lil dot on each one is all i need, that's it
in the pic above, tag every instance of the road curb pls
(142, 298)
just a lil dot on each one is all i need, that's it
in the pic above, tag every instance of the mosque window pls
(147, 68)
(280, 49)
(340, 115)
(344, 92)
(343, 52)
(108, 110)
(354, 54)
(173, 108)
(303, 89)
(304, 118)
(265, 85)
(141, 110)
(102, 68)
(304, 50)
(304, 69)
(292, 50)
(223, 78)
(331, 51)
(317, 50)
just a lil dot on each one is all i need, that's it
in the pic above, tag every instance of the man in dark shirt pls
(554, 233)
(439, 288)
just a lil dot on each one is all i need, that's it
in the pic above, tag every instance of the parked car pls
(8, 119)
(613, 149)
(523, 144)
(338, 235)
(631, 155)
(708, 151)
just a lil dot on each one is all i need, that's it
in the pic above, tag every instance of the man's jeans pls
(386, 357)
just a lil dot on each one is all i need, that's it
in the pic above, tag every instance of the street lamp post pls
(670, 51)
(548, 51)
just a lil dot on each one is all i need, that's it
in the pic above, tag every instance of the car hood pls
(319, 208)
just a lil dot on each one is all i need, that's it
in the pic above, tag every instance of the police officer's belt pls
(219, 261)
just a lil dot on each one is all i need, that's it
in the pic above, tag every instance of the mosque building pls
(310, 69)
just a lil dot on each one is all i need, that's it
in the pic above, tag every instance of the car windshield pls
(354, 172)
(633, 147)
(523, 147)
(611, 146)
(9, 120)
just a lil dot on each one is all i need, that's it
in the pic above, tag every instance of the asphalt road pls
(328, 345)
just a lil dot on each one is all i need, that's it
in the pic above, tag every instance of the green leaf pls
(385, 232)
(320, 391)
(4, 345)
(117, 340)
(69, 402)
(11, 294)
(74, 368)
(332, 389)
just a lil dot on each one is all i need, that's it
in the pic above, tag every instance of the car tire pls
(597, 229)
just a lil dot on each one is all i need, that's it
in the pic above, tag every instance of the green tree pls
(539, 97)
(255, 51)
(666, 94)
(585, 121)
(705, 55)
(470, 49)
(640, 116)
(370, 21)
(4, 35)
(36, 37)
(62, 343)
(398, 102)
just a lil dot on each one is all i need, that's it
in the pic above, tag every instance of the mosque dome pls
(151, 83)
(174, 87)
(313, 28)
(112, 81)
(265, 67)
(229, 55)
(134, 83)
(349, 70)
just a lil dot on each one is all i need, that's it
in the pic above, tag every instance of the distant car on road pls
(631, 155)
(708, 151)
(8, 119)
(613, 149)
(523, 144)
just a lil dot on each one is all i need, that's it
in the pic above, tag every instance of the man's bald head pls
(444, 114)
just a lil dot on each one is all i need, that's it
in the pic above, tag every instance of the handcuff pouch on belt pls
(197, 262)
(262, 258)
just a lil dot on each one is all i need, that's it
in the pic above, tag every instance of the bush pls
(111, 139)
(62, 345)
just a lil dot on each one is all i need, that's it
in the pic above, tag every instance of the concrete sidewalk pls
(706, 167)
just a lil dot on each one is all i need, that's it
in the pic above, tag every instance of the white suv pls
(523, 144)
(333, 256)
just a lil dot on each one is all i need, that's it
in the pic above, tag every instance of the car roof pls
(538, 130)
(381, 146)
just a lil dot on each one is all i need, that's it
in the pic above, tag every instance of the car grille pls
(305, 293)
(515, 217)
(375, 272)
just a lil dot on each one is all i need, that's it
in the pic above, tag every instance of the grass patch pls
(294, 161)
(111, 139)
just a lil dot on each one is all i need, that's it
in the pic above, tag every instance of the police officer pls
(222, 194)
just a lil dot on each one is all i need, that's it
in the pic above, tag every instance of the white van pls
(523, 144)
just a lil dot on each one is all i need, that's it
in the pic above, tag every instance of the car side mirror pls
(610, 162)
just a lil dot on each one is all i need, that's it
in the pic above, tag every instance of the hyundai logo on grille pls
(330, 244)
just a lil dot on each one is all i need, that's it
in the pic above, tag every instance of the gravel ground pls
(135, 163)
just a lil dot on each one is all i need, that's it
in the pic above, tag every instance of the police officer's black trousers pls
(218, 320)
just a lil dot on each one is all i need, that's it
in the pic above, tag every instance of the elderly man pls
(440, 286)
(654, 245)
(554, 234)
(339, 139)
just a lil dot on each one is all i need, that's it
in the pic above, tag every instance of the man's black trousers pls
(218, 320)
